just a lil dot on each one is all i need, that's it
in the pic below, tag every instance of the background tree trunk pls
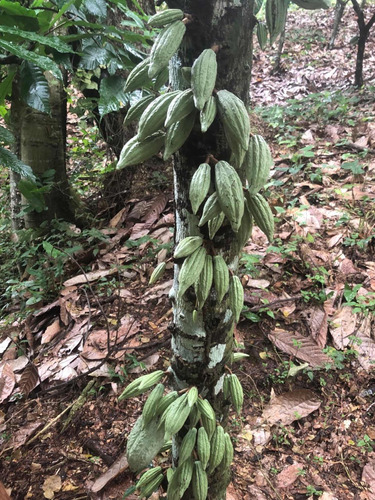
(339, 11)
(203, 348)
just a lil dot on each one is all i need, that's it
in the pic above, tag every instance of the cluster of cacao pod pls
(204, 449)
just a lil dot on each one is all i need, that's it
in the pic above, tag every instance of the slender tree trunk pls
(42, 139)
(202, 347)
(277, 65)
(339, 12)
(364, 30)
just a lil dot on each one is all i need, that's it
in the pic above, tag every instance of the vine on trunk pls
(224, 196)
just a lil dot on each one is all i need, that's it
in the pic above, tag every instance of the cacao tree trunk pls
(41, 139)
(202, 346)
(339, 12)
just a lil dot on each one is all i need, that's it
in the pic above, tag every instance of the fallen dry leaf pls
(89, 277)
(301, 347)
(7, 382)
(289, 475)
(366, 346)
(342, 326)
(368, 474)
(317, 320)
(51, 331)
(290, 406)
(23, 434)
(29, 379)
(51, 485)
(3, 493)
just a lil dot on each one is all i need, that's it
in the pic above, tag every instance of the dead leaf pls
(258, 283)
(232, 493)
(51, 485)
(119, 218)
(51, 331)
(342, 326)
(289, 475)
(90, 277)
(29, 379)
(7, 382)
(368, 474)
(23, 434)
(19, 363)
(317, 320)
(116, 468)
(366, 346)
(3, 493)
(307, 137)
(301, 347)
(291, 406)
(4, 344)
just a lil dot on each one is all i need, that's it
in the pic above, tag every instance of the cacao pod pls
(165, 17)
(262, 35)
(199, 186)
(166, 401)
(166, 44)
(177, 134)
(141, 384)
(217, 448)
(161, 79)
(191, 269)
(187, 246)
(262, 214)
(236, 297)
(221, 277)
(257, 163)
(229, 193)
(148, 476)
(313, 4)
(175, 416)
(192, 396)
(204, 283)
(135, 151)
(228, 453)
(203, 447)
(138, 77)
(187, 446)
(143, 444)
(276, 12)
(199, 482)
(215, 224)
(137, 109)
(150, 407)
(245, 229)
(210, 210)
(157, 273)
(148, 489)
(153, 116)
(181, 106)
(234, 117)
(236, 392)
(203, 77)
(208, 114)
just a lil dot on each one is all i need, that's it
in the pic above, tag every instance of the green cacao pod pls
(217, 448)
(166, 401)
(181, 106)
(245, 229)
(150, 407)
(166, 44)
(209, 425)
(157, 273)
(210, 209)
(141, 384)
(187, 445)
(199, 482)
(262, 35)
(228, 453)
(257, 163)
(229, 193)
(204, 282)
(208, 114)
(191, 269)
(138, 77)
(153, 116)
(236, 392)
(161, 79)
(165, 17)
(143, 444)
(257, 6)
(206, 409)
(234, 116)
(177, 135)
(221, 277)
(194, 416)
(262, 214)
(203, 77)
(175, 416)
(148, 476)
(136, 151)
(186, 74)
(236, 297)
(238, 356)
(192, 396)
(199, 186)
(181, 480)
(187, 246)
(203, 447)
(276, 11)
(215, 224)
(148, 489)
(135, 112)
(313, 4)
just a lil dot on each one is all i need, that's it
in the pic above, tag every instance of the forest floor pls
(307, 429)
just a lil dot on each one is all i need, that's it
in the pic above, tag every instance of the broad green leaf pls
(6, 137)
(93, 57)
(112, 95)
(10, 160)
(51, 250)
(33, 194)
(51, 41)
(97, 8)
(43, 62)
(34, 87)
(11, 7)
(64, 8)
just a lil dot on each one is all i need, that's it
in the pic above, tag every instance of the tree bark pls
(364, 30)
(339, 11)
(42, 139)
(202, 347)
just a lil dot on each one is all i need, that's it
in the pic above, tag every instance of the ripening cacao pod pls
(257, 163)
(136, 151)
(199, 186)
(165, 17)
(166, 44)
(262, 214)
(203, 77)
(229, 193)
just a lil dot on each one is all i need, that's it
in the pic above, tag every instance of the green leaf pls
(51, 250)
(33, 194)
(34, 87)
(97, 8)
(93, 57)
(43, 62)
(11, 7)
(10, 160)
(51, 41)
(6, 85)
(112, 95)
(6, 137)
